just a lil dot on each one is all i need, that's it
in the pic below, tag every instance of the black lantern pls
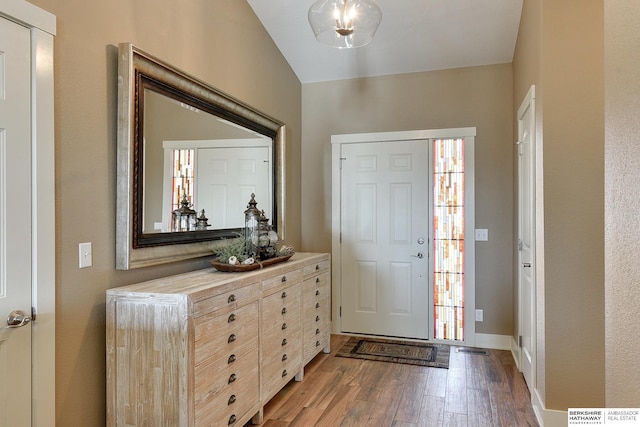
(265, 238)
(201, 223)
(184, 218)
(251, 219)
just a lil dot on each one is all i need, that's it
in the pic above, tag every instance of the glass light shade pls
(344, 23)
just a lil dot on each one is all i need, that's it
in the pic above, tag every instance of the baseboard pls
(515, 352)
(547, 417)
(497, 342)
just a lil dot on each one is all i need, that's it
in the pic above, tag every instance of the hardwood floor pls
(476, 390)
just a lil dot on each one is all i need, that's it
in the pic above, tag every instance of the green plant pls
(231, 247)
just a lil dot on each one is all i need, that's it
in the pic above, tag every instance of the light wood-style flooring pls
(476, 390)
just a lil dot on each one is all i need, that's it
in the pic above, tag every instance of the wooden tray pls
(224, 267)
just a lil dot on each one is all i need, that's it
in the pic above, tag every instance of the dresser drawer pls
(316, 289)
(279, 281)
(278, 371)
(218, 375)
(281, 307)
(231, 403)
(318, 267)
(315, 343)
(227, 301)
(225, 333)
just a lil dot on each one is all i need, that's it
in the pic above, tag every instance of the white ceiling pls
(414, 36)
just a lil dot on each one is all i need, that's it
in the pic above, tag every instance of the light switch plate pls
(85, 255)
(482, 235)
(479, 315)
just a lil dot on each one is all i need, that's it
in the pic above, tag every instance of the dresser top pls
(204, 283)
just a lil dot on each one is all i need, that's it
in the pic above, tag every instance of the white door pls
(226, 178)
(384, 250)
(526, 235)
(15, 224)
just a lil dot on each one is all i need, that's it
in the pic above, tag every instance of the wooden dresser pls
(207, 348)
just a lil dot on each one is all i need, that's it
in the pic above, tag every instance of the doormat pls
(411, 353)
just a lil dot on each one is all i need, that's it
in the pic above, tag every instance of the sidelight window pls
(448, 238)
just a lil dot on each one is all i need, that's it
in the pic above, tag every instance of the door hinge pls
(520, 341)
(519, 244)
(341, 159)
(33, 313)
(340, 311)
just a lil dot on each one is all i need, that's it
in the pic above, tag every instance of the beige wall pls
(622, 202)
(477, 96)
(560, 49)
(527, 65)
(220, 42)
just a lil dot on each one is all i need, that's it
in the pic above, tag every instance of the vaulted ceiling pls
(414, 36)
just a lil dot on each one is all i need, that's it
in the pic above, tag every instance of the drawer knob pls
(317, 305)
(317, 280)
(284, 342)
(232, 318)
(232, 298)
(284, 279)
(232, 378)
(232, 419)
(232, 338)
(232, 399)
(284, 310)
(284, 373)
(317, 318)
(284, 357)
(317, 343)
(232, 358)
(284, 326)
(317, 292)
(284, 295)
(317, 331)
(317, 266)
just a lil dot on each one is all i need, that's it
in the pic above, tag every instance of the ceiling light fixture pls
(344, 23)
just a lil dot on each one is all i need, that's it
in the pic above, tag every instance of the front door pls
(384, 249)
(15, 225)
(526, 236)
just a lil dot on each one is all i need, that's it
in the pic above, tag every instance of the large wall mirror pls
(185, 144)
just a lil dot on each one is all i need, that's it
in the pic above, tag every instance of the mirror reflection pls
(186, 147)
(213, 164)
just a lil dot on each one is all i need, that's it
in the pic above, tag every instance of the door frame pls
(42, 26)
(336, 219)
(528, 104)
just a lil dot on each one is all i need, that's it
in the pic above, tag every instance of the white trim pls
(28, 15)
(43, 202)
(494, 341)
(43, 27)
(547, 417)
(402, 135)
(469, 134)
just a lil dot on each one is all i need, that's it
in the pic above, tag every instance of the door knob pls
(418, 255)
(17, 318)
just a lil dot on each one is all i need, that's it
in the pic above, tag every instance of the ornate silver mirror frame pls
(138, 71)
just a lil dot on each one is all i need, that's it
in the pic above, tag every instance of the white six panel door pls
(15, 223)
(385, 224)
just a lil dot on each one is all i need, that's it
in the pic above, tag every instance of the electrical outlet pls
(482, 235)
(84, 253)
(479, 315)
